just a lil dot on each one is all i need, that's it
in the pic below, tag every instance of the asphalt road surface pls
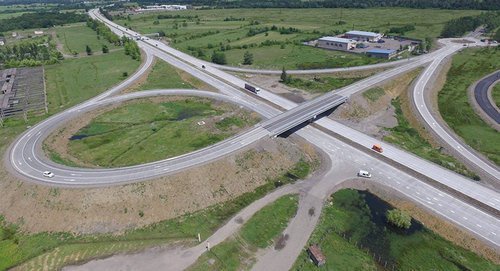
(483, 99)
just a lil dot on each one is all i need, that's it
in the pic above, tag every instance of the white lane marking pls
(465, 218)
(479, 225)
(452, 211)
(418, 193)
(493, 233)
(441, 195)
(165, 169)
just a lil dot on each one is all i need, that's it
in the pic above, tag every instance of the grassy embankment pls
(320, 84)
(467, 67)
(496, 94)
(258, 232)
(75, 37)
(350, 222)
(53, 250)
(206, 30)
(407, 137)
(406, 134)
(165, 76)
(144, 131)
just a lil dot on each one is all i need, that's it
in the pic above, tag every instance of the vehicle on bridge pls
(252, 88)
(377, 148)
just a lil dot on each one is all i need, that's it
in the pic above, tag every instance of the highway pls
(345, 160)
(446, 136)
(26, 159)
(482, 96)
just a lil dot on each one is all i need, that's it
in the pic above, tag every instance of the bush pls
(219, 58)
(399, 218)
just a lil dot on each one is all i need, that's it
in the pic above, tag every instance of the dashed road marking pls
(465, 218)
(479, 225)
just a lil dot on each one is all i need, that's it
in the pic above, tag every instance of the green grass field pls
(76, 80)
(143, 131)
(75, 37)
(374, 94)
(351, 221)
(496, 94)
(320, 84)
(468, 67)
(51, 251)
(407, 137)
(205, 30)
(165, 76)
(258, 232)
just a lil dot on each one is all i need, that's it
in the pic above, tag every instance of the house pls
(2, 41)
(316, 255)
(363, 36)
(335, 43)
(38, 32)
(382, 53)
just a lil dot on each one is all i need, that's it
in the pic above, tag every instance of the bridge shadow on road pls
(305, 123)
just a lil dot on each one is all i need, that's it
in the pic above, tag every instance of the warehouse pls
(363, 36)
(382, 53)
(335, 43)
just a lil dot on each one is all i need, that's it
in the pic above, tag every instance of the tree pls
(497, 35)
(105, 49)
(88, 50)
(284, 77)
(219, 58)
(399, 219)
(247, 58)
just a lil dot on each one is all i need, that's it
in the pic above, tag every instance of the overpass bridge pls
(307, 111)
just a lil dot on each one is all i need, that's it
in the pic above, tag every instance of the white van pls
(364, 174)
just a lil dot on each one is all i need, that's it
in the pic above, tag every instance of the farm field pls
(200, 32)
(356, 219)
(75, 80)
(467, 67)
(74, 38)
(147, 130)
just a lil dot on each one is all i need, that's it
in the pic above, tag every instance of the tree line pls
(41, 20)
(444, 4)
(460, 26)
(102, 30)
(30, 53)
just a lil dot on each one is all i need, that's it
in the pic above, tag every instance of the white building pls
(163, 7)
(363, 36)
(335, 43)
(38, 32)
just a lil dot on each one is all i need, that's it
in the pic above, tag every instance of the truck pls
(377, 148)
(252, 88)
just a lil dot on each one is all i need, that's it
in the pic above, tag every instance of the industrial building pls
(382, 53)
(335, 43)
(363, 36)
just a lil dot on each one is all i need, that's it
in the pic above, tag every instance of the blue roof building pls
(382, 53)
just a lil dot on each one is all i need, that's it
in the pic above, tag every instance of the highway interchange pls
(482, 94)
(27, 160)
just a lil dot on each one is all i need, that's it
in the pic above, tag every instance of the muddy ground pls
(38, 208)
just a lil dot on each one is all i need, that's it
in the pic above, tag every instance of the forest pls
(40, 20)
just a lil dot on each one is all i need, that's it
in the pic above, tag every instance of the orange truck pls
(377, 148)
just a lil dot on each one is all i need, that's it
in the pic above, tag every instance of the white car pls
(364, 174)
(48, 174)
